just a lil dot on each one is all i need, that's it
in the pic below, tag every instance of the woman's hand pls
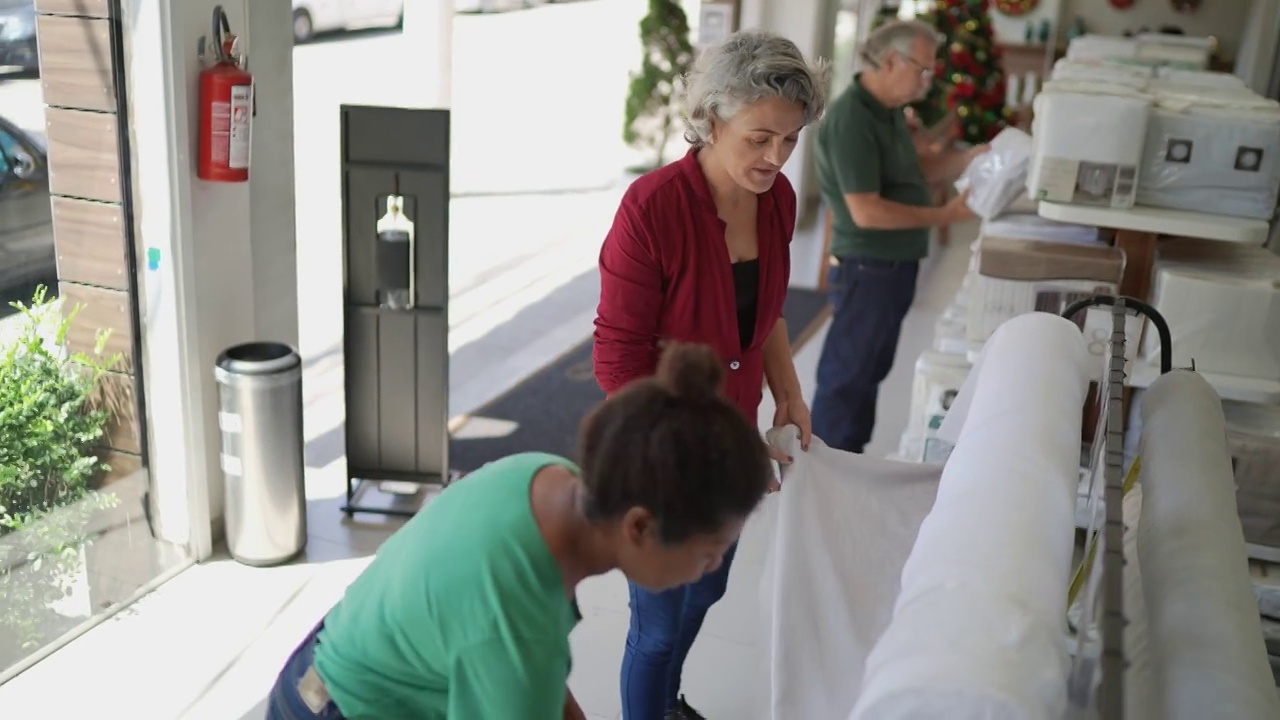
(794, 411)
(572, 711)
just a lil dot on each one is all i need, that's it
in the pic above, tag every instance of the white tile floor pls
(207, 645)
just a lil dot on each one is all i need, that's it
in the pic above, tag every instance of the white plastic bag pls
(996, 178)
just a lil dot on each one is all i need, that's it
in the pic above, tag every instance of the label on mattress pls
(1064, 180)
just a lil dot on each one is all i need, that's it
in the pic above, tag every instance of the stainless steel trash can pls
(260, 418)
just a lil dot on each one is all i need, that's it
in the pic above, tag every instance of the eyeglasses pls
(926, 71)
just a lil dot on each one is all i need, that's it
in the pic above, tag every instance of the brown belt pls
(312, 691)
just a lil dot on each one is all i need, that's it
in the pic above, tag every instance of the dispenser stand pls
(396, 339)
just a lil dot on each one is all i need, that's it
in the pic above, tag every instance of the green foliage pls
(51, 421)
(651, 112)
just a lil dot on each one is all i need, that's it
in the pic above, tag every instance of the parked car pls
(26, 220)
(317, 16)
(488, 6)
(18, 35)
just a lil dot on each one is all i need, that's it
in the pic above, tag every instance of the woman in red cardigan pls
(700, 252)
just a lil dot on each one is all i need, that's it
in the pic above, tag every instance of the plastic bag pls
(996, 178)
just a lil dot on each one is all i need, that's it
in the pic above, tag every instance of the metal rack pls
(1112, 621)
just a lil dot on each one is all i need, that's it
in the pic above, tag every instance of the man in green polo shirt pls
(877, 188)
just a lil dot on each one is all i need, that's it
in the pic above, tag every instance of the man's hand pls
(957, 209)
(975, 151)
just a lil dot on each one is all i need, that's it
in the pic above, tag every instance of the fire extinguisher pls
(226, 107)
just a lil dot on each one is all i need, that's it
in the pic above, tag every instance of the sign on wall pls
(715, 23)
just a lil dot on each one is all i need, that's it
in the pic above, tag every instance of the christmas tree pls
(970, 81)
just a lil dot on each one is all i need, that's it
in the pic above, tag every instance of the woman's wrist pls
(784, 393)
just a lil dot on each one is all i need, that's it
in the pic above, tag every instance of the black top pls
(746, 288)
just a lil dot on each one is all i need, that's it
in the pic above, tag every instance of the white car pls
(488, 6)
(317, 16)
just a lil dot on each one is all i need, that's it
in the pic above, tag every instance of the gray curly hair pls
(747, 67)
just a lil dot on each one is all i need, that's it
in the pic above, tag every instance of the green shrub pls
(52, 422)
(651, 113)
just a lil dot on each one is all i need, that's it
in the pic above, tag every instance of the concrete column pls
(428, 31)
(219, 266)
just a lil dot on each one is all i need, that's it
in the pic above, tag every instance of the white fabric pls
(978, 630)
(1202, 616)
(845, 524)
(997, 177)
(1139, 681)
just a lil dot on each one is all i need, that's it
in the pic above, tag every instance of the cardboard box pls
(1253, 439)
(1087, 146)
(1212, 150)
(1222, 304)
(937, 382)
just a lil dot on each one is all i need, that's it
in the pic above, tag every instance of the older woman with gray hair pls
(699, 252)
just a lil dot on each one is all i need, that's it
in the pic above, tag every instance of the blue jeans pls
(285, 703)
(870, 299)
(663, 628)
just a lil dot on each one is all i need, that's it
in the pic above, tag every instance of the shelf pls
(1229, 387)
(1161, 221)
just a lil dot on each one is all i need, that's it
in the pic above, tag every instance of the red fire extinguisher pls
(226, 108)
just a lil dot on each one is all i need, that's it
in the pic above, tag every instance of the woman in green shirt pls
(465, 613)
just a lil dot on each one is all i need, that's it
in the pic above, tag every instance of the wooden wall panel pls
(100, 309)
(90, 241)
(115, 392)
(84, 157)
(123, 466)
(76, 63)
(80, 8)
(85, 169)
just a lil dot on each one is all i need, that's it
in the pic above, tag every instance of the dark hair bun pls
(692, 372)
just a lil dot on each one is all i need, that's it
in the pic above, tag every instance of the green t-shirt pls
(866, 147)
(462, 615)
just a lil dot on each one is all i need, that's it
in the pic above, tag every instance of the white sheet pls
(1202, 617)
(978, 631)
(845, 525)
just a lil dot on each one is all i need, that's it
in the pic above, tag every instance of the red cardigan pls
(665, 275)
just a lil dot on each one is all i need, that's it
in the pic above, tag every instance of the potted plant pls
(52, 422)
(652, 115)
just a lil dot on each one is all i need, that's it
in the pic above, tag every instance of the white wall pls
(1013, 30)
(1224, 19)
(227, 270)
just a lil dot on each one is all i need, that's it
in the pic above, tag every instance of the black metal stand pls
(1113, 662)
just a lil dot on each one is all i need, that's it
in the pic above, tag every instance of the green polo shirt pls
(463, 613)
(865, 147)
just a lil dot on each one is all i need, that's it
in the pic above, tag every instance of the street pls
(536, 171)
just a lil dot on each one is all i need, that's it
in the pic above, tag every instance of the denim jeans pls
(285, 703)
(663, 628)
(870, 298)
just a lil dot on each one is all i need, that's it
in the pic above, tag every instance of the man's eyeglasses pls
(926, 71)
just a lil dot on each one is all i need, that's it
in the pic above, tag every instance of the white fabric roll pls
(844, 526)
(1139, 679)
(978, 630)
(1202, 617)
